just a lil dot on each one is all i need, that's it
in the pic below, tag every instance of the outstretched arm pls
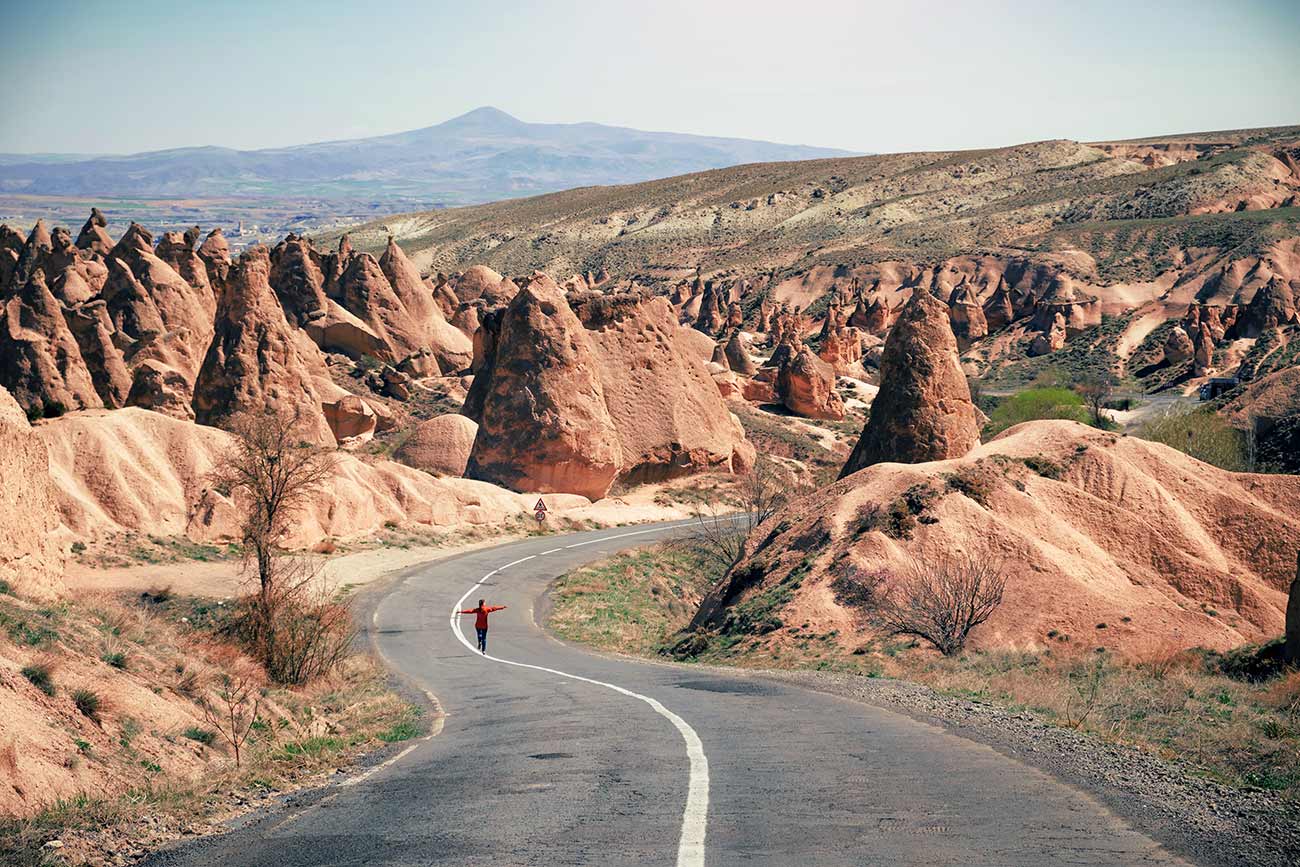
(467, 611)
(498, 608)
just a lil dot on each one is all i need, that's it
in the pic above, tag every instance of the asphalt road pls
(561, 756)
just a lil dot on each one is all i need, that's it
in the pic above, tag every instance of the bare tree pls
(278, 471)
(233, 709)
(1096, 389)
(941, 602)
(290, 623)
(722, 526)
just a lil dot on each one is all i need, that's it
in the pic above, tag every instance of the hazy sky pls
(869, 76)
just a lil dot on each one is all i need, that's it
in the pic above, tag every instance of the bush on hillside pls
(1201, 434)
(1033, 404)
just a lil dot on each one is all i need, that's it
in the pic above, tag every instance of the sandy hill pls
(794, 216)
(1109, 541)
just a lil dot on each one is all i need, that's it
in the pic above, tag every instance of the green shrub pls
(203, 736)
(1045, 467)
(115, 658)
(1200, 434)
(39, 675)
(402, 731)
(1036, 403)
(88, 703)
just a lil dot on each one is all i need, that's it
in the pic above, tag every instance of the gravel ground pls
(1202, 820)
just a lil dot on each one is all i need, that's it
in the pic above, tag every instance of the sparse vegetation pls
(942, 601)
(723, 525)
(40, 676)
(1035, 403)
(1201, 434)
(87, 702)
(632, 602)
(291, 623)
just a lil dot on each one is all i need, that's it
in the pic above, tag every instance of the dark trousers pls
(482, 638)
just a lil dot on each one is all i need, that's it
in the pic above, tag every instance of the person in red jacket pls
(481, 621)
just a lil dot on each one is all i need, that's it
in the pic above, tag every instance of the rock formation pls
(93, 330)
(923, 411)
(806, 386)
(40, 361)
(161, 388)
(968, 321)
(440, 446)
(94, 234)
(30, 560)
(1204, 356)
(738, 357)
(668, 413)
(215, 253)
(351, 420)
(1050, 340)
(254, 362)
(544, 425)
(998, 309)
(1273, 306)
(1179, 346)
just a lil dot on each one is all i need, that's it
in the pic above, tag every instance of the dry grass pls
(632, 602)
(1170, 703)
(142, 770)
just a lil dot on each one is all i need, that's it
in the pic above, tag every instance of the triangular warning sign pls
(540, 507)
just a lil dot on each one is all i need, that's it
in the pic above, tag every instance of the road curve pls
(549, 754)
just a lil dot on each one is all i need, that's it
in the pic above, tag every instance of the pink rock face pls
(215, 253)
(670, 417)
(40, 361)
(1178, 346)
(254, 361)
(30, 561)
(967, 316)
(738, 357)
(806, 386)
(162, 389)
(999, 311)
(923, 411)
(351, 420)
(545, 426)
(94, 234)
(1046, 342)
(1204, 357)
(1273, 306)
(93, 330)
(297, 279)
(440, 446)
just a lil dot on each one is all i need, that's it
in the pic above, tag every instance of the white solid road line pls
(690, 846)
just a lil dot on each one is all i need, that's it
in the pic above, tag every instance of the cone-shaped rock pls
(254, 363)
(94, 234)
(738, 358)
(924, 410)
(806, 385)
(544, 423)
(40, 361)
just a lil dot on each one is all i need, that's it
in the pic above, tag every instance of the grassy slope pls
(1034, 197)
(148, 789)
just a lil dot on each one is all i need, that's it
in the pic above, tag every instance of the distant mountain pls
(481, 156)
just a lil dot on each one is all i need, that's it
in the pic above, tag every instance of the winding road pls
(550, 754)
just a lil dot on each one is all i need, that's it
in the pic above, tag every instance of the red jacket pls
(480, 619)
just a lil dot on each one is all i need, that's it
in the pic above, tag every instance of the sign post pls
(539, 511)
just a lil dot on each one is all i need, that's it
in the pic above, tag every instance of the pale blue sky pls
(869, 76)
